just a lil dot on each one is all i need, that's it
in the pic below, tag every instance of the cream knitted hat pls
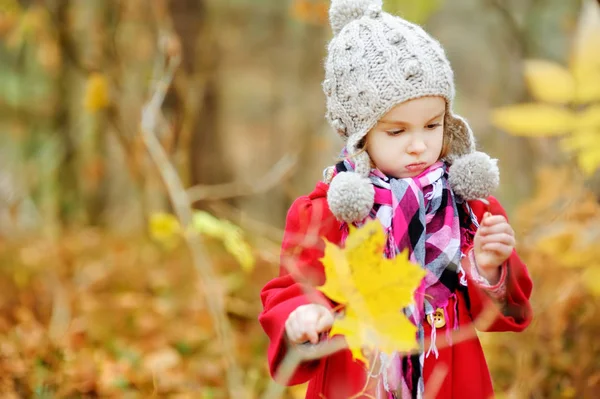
(376, 61)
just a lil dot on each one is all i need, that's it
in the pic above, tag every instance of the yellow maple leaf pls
(566, 96)
(373, 290)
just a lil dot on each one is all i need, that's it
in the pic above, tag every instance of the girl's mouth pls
(415, 167)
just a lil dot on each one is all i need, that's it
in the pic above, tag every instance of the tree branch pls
(151, 116)
(278, 172)
(297, 355)
(513, 25)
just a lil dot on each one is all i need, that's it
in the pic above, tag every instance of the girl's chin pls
(402, 175)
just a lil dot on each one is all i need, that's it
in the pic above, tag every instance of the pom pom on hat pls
(342, 12)
(350, 196)
(474, 176)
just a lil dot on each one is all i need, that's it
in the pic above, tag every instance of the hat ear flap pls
(461, 139)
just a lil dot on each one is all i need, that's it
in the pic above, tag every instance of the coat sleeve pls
(308, 220)
(514, 313)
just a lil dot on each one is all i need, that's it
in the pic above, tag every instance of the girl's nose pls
(416, 146)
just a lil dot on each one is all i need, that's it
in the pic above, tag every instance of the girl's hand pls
(307, 322)
(494, 242)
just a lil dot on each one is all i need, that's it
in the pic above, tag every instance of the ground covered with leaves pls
(94, 315)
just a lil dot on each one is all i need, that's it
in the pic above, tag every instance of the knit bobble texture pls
(343, 12)
(350, 196)
(474, 176)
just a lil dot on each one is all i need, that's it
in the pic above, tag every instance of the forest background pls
(122, 121)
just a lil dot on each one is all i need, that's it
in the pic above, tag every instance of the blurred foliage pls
(96, 93)
(316, 11)
(165, 229)
(414, 11)
(558, 356)
(571, 98)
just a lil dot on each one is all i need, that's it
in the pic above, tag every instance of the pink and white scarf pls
(422, 214)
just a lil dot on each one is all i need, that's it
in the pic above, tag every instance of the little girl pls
(411, 163)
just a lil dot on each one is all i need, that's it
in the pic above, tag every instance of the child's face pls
(409, 138)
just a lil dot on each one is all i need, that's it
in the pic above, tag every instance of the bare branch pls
(151, 120)
(511, 22)
(276, 174)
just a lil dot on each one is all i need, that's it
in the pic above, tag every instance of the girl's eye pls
(395, 132)
(433, 126)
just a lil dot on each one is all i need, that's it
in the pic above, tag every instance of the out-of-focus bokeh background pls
(104, 293)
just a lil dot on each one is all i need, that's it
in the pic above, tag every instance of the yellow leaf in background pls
(585, 58)
(589, 118)
(241, 251)
(96, 93)
(591, 279)
(566, 247)
(550, 82)
(164, 228)
(534, 120)
(374, 291)
(589, 160)
(230, 234)
(589, 88)
(580, 140)
(207, 224)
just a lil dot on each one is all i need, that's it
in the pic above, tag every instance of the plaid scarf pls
(422, 214)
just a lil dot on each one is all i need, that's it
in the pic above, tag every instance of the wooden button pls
(437, 319)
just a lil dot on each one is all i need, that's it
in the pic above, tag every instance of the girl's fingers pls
(308, 322)
(324, 322)
(291, 331)
(493, 220)
(501, 238)
(497, 228)
(295, 329)
(498, 248)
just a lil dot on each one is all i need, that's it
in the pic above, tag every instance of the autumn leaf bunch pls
(373, 291)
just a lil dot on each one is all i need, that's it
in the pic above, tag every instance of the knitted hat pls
(375, 62)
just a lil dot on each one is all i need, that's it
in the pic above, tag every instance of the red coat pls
(339, 376)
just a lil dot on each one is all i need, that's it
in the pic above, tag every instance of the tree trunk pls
(198, 99)
(69, 195)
